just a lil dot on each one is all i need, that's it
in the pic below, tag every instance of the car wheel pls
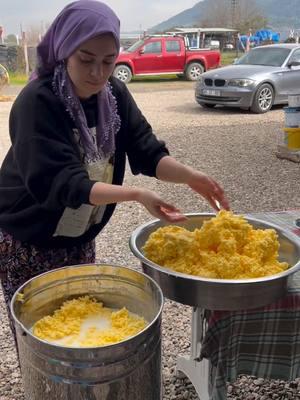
(263, 99)
(207, 105)
(194, 71)
(123, 73)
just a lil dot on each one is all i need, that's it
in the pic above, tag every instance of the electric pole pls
(235, 4)
(234, 7)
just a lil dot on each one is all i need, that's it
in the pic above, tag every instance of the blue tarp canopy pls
(261, 36)
(265, 34)
(253, 38)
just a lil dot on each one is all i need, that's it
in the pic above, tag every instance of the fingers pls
(171, 213)
(217, 202)
(220, 202)
(171, 216)
(217, 198)
(168, 207)
(217, 188)
(168, 212)
(225, 204)
(163, 210)
(216, 205)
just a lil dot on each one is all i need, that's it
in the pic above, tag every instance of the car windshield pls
(135, 46)
(273, 57)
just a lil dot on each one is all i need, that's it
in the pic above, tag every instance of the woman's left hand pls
(209, 189)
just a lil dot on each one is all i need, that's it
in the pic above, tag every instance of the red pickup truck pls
(164, 55)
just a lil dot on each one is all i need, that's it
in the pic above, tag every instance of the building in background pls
(201, 38)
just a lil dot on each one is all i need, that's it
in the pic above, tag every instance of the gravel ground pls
(235, 147)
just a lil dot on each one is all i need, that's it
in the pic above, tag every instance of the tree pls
(33, 35)
(216, 14)
(244, 16)
(35, 32)
(11, 39)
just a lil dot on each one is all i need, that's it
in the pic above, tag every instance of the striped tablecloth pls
(264, 342)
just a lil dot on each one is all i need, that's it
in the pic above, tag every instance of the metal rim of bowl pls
(140, 255)
(28, 332)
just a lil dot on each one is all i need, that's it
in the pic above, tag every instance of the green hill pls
(280, 14)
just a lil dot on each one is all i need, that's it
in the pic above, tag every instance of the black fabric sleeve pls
(143, 149)
(48, 163)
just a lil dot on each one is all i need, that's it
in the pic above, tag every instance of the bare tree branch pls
(245, 16)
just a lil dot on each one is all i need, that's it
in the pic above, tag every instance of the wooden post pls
(24, 43)
(1, 35)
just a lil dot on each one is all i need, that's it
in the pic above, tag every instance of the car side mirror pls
(294, 64)
(141, 51)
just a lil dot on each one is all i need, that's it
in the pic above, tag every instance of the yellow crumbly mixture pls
(225, 247)
(67, 325)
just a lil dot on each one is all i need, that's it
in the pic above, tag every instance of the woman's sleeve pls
(48, 164)
(143, 149)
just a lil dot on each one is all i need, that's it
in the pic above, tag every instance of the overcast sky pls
(134, 14)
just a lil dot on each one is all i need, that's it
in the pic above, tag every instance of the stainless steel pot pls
(129, 370)
(219, 294)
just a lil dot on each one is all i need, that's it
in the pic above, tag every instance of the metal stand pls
(191, 366)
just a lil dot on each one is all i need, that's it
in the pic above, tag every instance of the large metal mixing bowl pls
(219, 294)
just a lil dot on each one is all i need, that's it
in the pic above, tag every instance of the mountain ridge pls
(278, 17)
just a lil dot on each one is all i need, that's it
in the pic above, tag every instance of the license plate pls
(211, 92)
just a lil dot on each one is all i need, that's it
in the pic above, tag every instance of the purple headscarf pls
(78, 22)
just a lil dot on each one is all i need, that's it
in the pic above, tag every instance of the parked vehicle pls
(264, 76)
(164, 55)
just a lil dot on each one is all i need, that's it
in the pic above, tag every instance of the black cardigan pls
(42, 173)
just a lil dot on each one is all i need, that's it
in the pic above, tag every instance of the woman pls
(71, 130)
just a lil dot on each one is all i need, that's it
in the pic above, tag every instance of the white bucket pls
(292, 117)
(294, 100)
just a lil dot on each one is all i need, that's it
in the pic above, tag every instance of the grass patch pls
(154, 78)
(228, 57)
(17, 78)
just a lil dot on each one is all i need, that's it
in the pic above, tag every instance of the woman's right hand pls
(158, 207)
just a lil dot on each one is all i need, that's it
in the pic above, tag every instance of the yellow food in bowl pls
(225, 247)
(85, 322)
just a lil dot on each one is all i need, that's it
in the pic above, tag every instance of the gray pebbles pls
(237, 148)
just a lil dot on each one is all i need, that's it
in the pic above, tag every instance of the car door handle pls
(159, 56)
